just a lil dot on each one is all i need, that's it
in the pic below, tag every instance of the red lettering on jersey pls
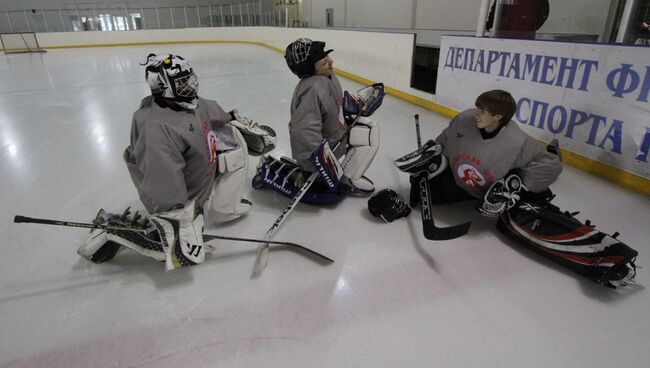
(489, 176)
(465, 157)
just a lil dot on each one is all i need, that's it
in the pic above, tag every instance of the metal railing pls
(124, 19)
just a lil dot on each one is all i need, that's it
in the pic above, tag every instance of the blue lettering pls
(576, 118)
(547, 69)
(617, 80)
(561, 121)
(531, 65)
(614, 135)
(644, 147)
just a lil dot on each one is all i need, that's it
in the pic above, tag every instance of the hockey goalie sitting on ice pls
(483, 156)
(321, 114)
(187, 158)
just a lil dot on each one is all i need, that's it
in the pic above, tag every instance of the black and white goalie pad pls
(102, 245)
(388, 205)
(562, 238)
(502, 195)
(181, 235)
(259, 138)
(428, 158)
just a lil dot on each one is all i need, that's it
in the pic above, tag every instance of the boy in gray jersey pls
(317, 114)
(185, 161)
(481, 146)
(482, 154)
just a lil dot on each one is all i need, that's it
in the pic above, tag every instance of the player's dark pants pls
(443, 189)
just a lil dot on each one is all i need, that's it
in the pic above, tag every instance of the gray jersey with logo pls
(316, 114)
(172, 157)
(477, 163)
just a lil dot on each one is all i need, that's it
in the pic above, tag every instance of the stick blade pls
(447, 233)
(261, 260)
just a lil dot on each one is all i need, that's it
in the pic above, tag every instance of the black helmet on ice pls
(388, 205)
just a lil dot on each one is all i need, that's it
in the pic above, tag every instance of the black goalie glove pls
(502, 195)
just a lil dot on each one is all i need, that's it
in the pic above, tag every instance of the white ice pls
(391, 299)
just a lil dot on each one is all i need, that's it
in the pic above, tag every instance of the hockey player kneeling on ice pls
(285, 176)
(319, 110)
(187, 158)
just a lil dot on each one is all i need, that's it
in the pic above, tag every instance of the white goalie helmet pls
(173, 77)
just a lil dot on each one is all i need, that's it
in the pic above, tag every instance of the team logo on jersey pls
(211, 142)
(470, 176)
(341, 117)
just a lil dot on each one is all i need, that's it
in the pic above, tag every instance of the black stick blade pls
(446, 233)
(429, 229)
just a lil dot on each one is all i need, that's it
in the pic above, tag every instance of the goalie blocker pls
(579, 247)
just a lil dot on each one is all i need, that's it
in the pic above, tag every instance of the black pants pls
(443, 189)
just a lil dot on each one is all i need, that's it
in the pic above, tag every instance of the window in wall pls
(425, 68)
(136, 21)
(105, 22)
(121, 24)
(329, 14)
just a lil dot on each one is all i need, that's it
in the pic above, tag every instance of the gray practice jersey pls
(477, 162)
(173, 154)
(316, 114)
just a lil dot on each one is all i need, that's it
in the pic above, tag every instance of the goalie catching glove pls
(259, 138)
(354, 103)
(502, 195)
(428, 158)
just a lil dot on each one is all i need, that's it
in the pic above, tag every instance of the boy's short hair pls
(497, 102)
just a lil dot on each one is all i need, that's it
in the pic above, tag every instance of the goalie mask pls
(172, 77)
(302, 54)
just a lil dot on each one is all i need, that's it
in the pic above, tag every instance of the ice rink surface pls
(391, 299)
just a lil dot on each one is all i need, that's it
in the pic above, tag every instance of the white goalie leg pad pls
(364, 143)
(225, 202)
(181, 235)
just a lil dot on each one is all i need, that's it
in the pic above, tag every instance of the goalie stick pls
(429, 228)
(262, 258)
(206, 237)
